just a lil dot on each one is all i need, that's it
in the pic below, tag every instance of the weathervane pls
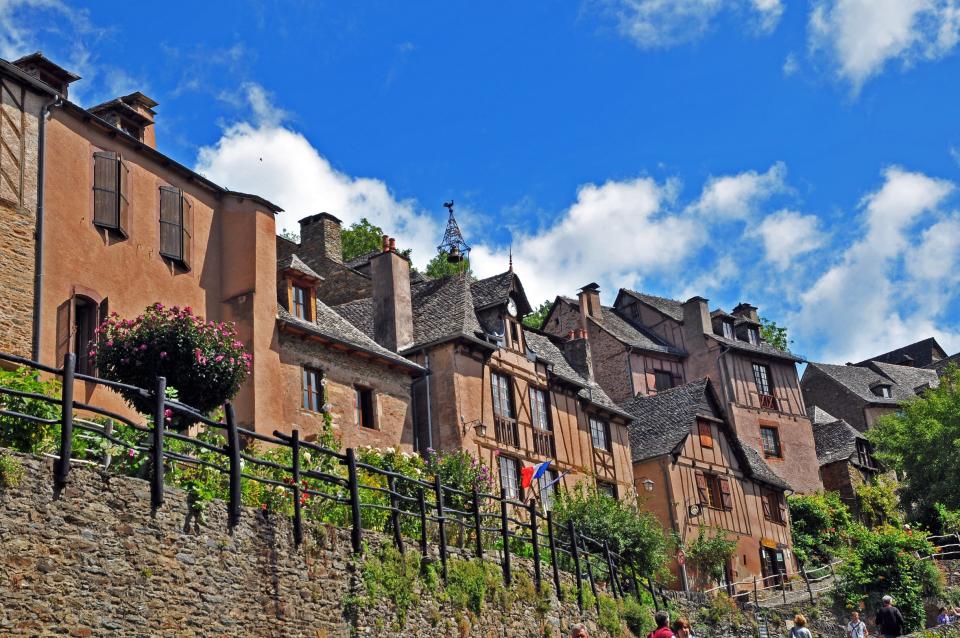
(453, 244)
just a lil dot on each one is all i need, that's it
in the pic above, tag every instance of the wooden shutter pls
(64, 329)
(171, 237)
(725, 497)
(123, 201)
(105, 189)
(706, 434)
(782, 505)
(186, 232)
(702, 488)
(765, 500)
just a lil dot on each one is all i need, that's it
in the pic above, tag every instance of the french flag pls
(529, 474)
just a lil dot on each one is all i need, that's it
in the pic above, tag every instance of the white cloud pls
(861, 36)
(788, 234)
(714, 279)
(652, 24)
(737, 196)
(864, 303)
(790, 65)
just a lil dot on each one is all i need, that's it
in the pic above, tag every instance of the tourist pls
(663, 626)
(889, 620)
(856, 628)
(800, 627)
(579, 630)
(944, 617)
(681, 628)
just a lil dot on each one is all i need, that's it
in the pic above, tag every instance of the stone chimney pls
(590, 304)
(133, 114)
(576, 350)
(46, 71)
(696, 316)
(320, 239)
(392, 305)
(746, 311)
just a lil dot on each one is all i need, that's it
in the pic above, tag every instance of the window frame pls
(539, 409)
(183, 225)
(548, 493)
(512, 480)
(502, 395)
(299, 306)
(365, 405)
(753, 335)
(774, 506)
(706, 437)
(312, 390)
(608, 487)
(113, 196)
(660, 374)
(603, 430)
(726, 329)
(714, 491)
(777, 453)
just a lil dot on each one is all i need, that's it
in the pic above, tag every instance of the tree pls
(536, 318)
(361, 238)
(709, 553)
(773, 334)
(920, 443)
(439, 267)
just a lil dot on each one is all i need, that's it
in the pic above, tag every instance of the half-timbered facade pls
(695, 475)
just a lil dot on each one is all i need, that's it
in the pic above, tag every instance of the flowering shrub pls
(203, 360)
(17, 433)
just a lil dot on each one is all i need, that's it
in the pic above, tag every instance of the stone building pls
(672, 342)
(695, 473)
(845, 457)
(860, 394)
(921, 354)
(27, 89)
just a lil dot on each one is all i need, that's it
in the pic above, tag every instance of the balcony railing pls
(507, 431)
(768, 402)
(543, 443)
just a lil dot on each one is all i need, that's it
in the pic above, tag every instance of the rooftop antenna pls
(510, 269)
(453, 245)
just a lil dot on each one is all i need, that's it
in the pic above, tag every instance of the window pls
(515, 342)
(538, 409)
(865, 455)
(176, 225)
(300, 297)
(728, 329)
(77, 321)
(705, 430)
(714, 491)
(600, 434)
(364, 408)
(774, 507)
(882, 391)
(761, 375)
(312, 394)
(662, 380)
(548, 487)
(609, 489)
(110, 206)
(502, 396)
(753, 336)
(770, 438)
(510, 477)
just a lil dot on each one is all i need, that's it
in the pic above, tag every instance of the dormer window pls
(865, 455)
(882, 390)
(727, 329)
(300, 296)
(753, 336)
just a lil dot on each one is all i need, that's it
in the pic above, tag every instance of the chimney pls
(392, 305)
(590, 304)
(576, 350)
(320, 239)
(132, 114)
(53, 75)
(746, 311)
(696, 316)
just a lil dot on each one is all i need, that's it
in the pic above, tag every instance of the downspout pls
(38, 233)
(724, 377)
(429, 375)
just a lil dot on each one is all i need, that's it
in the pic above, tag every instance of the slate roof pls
(628, 332)
(860, 379)
(835, 440)
(293, 262)
(818, 415)
(942, 364)
(496, 290)
(663, 421)
(670, 307)
(442, 309)
(919, 353)
(361, 260)
(331, 325)
(546, 350)
(908, 377)
(763, 348)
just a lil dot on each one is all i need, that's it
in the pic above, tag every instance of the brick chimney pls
(46, 71)
(746, 311)
(576, 350)
(320, 239)
(589, 297)
(392, 305)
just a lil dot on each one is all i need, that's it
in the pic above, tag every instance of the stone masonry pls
(96, 562)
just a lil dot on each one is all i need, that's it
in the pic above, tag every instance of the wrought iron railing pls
(507, 431)
(543, 443)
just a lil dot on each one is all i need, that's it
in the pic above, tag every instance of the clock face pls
(512, 308)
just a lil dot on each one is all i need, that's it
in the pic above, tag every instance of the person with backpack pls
(799, 629)
(889, 620)
(856, 628)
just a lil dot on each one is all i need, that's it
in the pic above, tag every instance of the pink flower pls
(188, 310)
(131, 453)
(92, 353)
(163, 355)
(218, 358)
(143, 347)
(109, 343)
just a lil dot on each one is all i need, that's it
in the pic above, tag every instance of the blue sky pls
(800, 155)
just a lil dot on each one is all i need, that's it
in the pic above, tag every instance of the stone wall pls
(94, 561)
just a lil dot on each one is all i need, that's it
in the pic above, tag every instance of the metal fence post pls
(442, 532)
(159, 422)
(297, 505)
(357, 533)
(62, 467)
(613, 576)
(505, 535)
(756, 595)
(783, 587)
(553, 555)
(422, 502)
(535, 542)
(233, 449)
(477, 522)
(572, 531)
(395, 513)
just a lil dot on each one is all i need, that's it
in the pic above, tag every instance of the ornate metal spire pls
(453, 244)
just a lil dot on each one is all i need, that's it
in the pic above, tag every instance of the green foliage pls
(886, 561)
(821, 524)
(536, 318)
(634, 534)
(11, 471)
(204, 361)
(722, 610)
(361, 238)
(21, 435)
(439, 267)
(471, 584)
(922, 443)
(878, 500)
(709, 554)
(290, 235)
(637, 616)
(388, 573)
(609, 619)
(947, 521)
(773, 334)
